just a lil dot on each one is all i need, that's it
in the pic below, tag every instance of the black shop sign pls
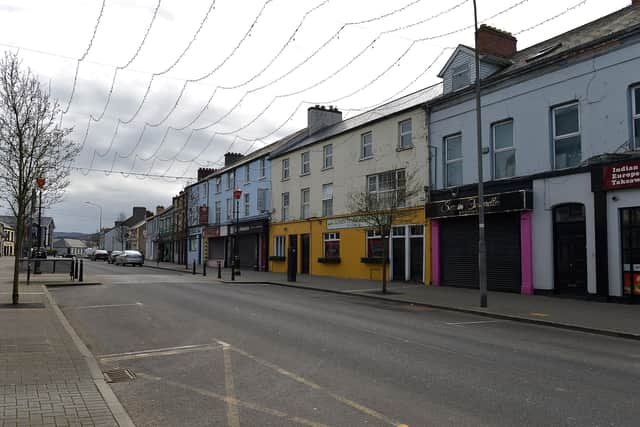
(513, 201)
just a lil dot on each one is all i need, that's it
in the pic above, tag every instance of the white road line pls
(83, 307)
(472, 323)
(167, 351)
(23, 293)
(233, 419)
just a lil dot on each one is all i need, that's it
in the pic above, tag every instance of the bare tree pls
(383, 206)
(32, 145)
(122, 229)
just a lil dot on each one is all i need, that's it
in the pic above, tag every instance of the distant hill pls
(70, 235)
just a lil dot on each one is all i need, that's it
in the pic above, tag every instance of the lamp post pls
(100, 223)
(237, 193)
(482, 247)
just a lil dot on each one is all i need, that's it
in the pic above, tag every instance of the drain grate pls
(118, 375)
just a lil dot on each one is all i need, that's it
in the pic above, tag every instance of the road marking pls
(168, 351)
(472, 323)
(226, 399)
(365, 410)
(534, 313)
(23, 293)
(84, 307)
(232, 409)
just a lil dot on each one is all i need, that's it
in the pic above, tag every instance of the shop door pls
(630, 238)
(570, 249)
(459, 252)
(417, 255)
(398, 259)
(293, 245)
(305, 253)
(247, 250)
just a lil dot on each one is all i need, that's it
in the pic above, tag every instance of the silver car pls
(129, 257)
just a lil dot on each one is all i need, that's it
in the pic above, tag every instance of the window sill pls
(327, 168)
(362, 159)
(285, 179)
(305, 174)
(329, 260)
(262, 178)
(372, 260)
(277, 258)
(409, 147)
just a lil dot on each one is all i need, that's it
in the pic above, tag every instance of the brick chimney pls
(492, 41)
(159, 209)
(635, 2)
(231, 158)
(139, 213)
(204, 172)
(319, 117)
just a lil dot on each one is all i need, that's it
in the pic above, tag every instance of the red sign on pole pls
(622, 175)
(237, 193)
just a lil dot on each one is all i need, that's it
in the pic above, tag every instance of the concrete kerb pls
(477, 312)
(178, 270)
(116, 408)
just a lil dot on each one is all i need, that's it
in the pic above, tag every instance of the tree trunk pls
(385, 260)
(15, 295)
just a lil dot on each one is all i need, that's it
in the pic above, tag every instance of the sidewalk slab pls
(612, 319)
(44, 377)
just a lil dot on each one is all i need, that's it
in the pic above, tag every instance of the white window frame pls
(635, 115)
(263, 167)
(285, 206)
(218, 184)
(229, 209)
(448, 161)
(327, 202)
(402, 133)
(286, 171)
(305, 163)
(502, 150)
(378, 176)
(372, 235)
(279, 246)
(218, 212)
(305, 206)
(247, 174)
(328, 238)
(460, 70)
(364, 145)
(247, 204)
(262, 200)
(327, 156)
(566, 136)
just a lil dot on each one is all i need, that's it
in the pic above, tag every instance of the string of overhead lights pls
(569, 9)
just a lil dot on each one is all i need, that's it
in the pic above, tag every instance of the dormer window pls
(460, 77)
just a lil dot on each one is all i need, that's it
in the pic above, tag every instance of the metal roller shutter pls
(248, 246)
(459, 252)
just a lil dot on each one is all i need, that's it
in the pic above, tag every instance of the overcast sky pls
(243, 65)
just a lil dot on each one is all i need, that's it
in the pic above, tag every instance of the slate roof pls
(391, 108)
(69, 243)
(10, 220)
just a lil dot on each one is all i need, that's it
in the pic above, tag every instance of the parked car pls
(88, 253)
(130, 257)
(38, 253)
(100, 254)
(68, 255)
(112, 256)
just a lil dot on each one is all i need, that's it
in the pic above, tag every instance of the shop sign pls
(346, 222)
(513, 201)
(203, 215)
(621, 176)
(212, 232)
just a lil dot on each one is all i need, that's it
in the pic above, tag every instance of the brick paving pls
(44, 379)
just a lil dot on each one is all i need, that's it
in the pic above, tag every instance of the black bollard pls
(219, 270)
(28, 272)
(75, 270)
(204, 268)
(81, 271)
(194, 266)
(71, 268)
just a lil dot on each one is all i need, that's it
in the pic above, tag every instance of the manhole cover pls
(118, 375)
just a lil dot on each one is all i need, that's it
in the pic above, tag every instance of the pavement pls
(47, 376)
(210, 353)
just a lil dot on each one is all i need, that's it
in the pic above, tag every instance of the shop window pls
(278, 244)
(399, 231)
(635, 94)
(566, 136)
(504, 153)
(453, 160)
(630, 236)
(366, 146)
(404, 134)
(375, 244)
(416, 230)
(331, 245)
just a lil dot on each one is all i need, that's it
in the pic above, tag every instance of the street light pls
(237, 193)
(100, 226)
(482, 246)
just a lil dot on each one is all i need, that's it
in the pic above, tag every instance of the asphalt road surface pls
(259, 355)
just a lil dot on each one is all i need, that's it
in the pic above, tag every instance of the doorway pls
(398, 258)
(293, 248)
(570, 249)
(305, 253)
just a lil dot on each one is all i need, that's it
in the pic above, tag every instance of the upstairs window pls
(305, 163)
(218, 184)
(229, 209)
(285, 206)
(453, 160)
(305, 203)
(218, 212)
(247, 174)
(460, 77)
(504, 153)
(247, 204)
(327, 156)
(636, 116)
(386, 189)
(262, 200)
(327, 199)
(263, 168)
(366, 146)
(285, 169)
(566, 136)
(404, 134)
